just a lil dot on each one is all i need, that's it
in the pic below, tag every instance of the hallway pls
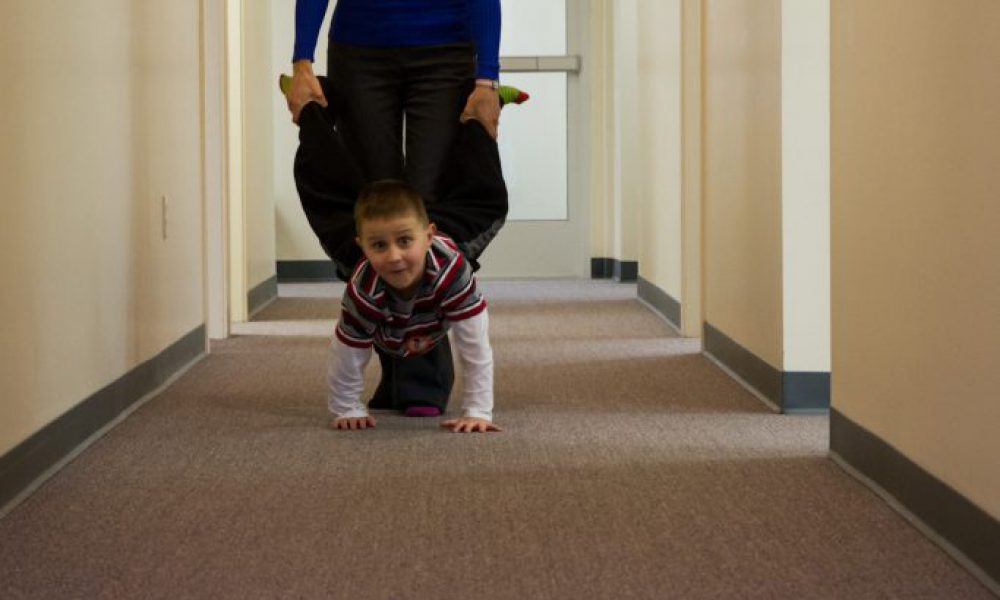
(631, 468)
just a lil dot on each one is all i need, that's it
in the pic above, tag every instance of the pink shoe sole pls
(422, 411)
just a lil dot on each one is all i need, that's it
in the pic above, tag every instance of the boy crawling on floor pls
(415, 280)
(411, 288)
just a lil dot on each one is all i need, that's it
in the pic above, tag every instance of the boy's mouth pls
(399, 274)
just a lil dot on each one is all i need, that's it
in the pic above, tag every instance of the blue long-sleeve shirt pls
(396, 23)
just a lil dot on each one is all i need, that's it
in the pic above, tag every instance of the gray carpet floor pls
(631, 468)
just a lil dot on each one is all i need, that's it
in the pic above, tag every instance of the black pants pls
(470, 205)
(379, 92)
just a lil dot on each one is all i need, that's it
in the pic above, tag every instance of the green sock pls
(511, 95)
(284, 82)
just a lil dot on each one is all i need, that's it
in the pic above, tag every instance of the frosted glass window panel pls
(533, 28)
(533, 147)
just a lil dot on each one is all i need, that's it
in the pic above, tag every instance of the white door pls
(540, 144)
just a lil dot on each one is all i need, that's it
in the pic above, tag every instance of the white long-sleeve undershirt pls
(346, 367)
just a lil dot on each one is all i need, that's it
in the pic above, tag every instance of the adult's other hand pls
(305, 88)
(484, 106)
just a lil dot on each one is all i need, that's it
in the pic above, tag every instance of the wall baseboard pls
(790, 391)
(611, 268)
(660, 301)
(962, 529)
(805, 391)
(290, 271)
(34, 457)
(262, 295)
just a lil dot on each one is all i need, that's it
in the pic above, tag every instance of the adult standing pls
(421, 65)
(402, 75)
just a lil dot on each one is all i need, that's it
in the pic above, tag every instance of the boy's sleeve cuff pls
(354, 413)
(480, 414)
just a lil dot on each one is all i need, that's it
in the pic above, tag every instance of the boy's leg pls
(472, 202)
(328, 181)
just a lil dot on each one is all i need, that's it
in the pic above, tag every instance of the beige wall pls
(733, 163)
(658, 144)
(635, 183)
(625, 121)
(742, 174)
(100, 117)
(259, 94)
(213, 76)
(601, 129)
(805, 184)
(916, 250)
(692, 108)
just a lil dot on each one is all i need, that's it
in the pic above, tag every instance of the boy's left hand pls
(470, 425)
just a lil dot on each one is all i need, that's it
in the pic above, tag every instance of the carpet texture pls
(631, 468)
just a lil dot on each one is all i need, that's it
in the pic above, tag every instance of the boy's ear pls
(431, 229)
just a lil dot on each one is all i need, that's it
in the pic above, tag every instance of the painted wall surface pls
(601, 129)
(259, 96)
(658, 144)
(626, 186)
(805, 184)
(691, 167)
(742, 173)
(214, 84)
(100, 119)
(915, 244)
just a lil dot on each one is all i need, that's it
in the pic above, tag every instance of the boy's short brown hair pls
(388, 198)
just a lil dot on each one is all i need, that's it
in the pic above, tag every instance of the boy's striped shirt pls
(371, 315)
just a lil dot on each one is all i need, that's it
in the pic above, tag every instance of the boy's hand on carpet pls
(353, 422)
(470, 425)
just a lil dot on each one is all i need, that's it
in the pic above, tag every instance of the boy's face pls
(397, 249)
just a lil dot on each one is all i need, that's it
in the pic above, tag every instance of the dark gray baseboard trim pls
(805, 391)
(753, 370)
(602, 268)
(305, 270)
(945, 512)
(625, 271)
(790, 391)
(661, 301)
(262, 295)
(29, 460)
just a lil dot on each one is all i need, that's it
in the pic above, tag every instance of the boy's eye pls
(404, 241)
(378, 245)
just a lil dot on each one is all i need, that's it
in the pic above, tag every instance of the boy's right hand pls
(353, 422)
(470, 425)
(305, 88)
